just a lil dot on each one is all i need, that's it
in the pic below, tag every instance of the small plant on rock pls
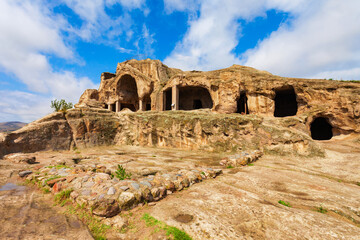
(287, 204)
(321, 209)
(121, 173)
(229, 166)
(62, 197)
(61, 106)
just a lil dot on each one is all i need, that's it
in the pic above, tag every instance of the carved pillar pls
(175, 98)
(117, 106)
(141, 105)
(109, 107)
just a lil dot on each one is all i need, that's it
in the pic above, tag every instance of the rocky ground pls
(322, 195)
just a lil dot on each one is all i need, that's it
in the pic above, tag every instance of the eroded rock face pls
(87, 127)
(249, 110)
(263, 93)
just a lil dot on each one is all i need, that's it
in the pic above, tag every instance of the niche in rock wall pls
(242, 104)
(127, 92)
(191, 98)
(285, 102)
(113, 107)
(321, 129)
(147, 103)
(128, 106)
(167, 100)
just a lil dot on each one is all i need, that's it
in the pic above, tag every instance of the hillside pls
(11, 126)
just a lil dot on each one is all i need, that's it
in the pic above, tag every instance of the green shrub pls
(61, 106)
(287, 204)
(121, 173)
(321, 209)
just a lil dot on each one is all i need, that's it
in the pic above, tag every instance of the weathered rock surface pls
(87, 127)
(338, 101)
(89, 124)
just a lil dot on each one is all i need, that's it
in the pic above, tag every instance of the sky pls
(55, 49)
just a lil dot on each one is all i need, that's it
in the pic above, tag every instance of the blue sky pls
(57, 49)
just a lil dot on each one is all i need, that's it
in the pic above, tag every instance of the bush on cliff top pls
(61, 106)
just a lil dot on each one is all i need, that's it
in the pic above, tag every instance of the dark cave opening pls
(321, 129)
(167, 99)
(242, 105)
(285, 102)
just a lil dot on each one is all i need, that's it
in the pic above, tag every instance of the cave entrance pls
(242, 105)
(191, 98)
(285, 102)
(167, 99)
(321, 129)
(127, 93)
(128, 106)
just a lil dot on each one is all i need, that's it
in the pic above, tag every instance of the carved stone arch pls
(127, 92)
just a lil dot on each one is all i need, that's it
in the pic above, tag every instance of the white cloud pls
(22, 106)
(181, 5)
(97, 23)
(29, 35)
(320, 38)
(209, 42)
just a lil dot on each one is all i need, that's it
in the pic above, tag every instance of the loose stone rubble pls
(97, 189)
(241, 159)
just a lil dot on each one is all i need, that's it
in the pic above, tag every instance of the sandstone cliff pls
(201, 129)
(337, 101)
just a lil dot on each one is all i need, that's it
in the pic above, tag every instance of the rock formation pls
(246, 109)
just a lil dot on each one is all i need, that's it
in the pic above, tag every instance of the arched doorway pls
(285, 102)
(191, 98)
(321, 129)
(127, 93)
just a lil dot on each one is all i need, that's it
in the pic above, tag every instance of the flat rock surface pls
(242, 203)
(27, 214)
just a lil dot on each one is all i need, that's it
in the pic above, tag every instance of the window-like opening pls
(285, 102)
(197, 104)
(167, 99)
(194, 98)
(106, 106)
(127, 93)
(128, 106)
(321, 129)
(148, 107)
(242, 105)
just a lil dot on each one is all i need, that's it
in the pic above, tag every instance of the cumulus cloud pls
(22, 106)
(323, 41)
(320, 38)
(181, 5)
(97, 23)
(29, 35)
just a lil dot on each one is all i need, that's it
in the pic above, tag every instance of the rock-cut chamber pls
(285, 102)
(191, 98)
(321, 129)
(127, 93)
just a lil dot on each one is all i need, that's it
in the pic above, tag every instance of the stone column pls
(175, 98)
(141, 105)
(117, 106)
(109, 107)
